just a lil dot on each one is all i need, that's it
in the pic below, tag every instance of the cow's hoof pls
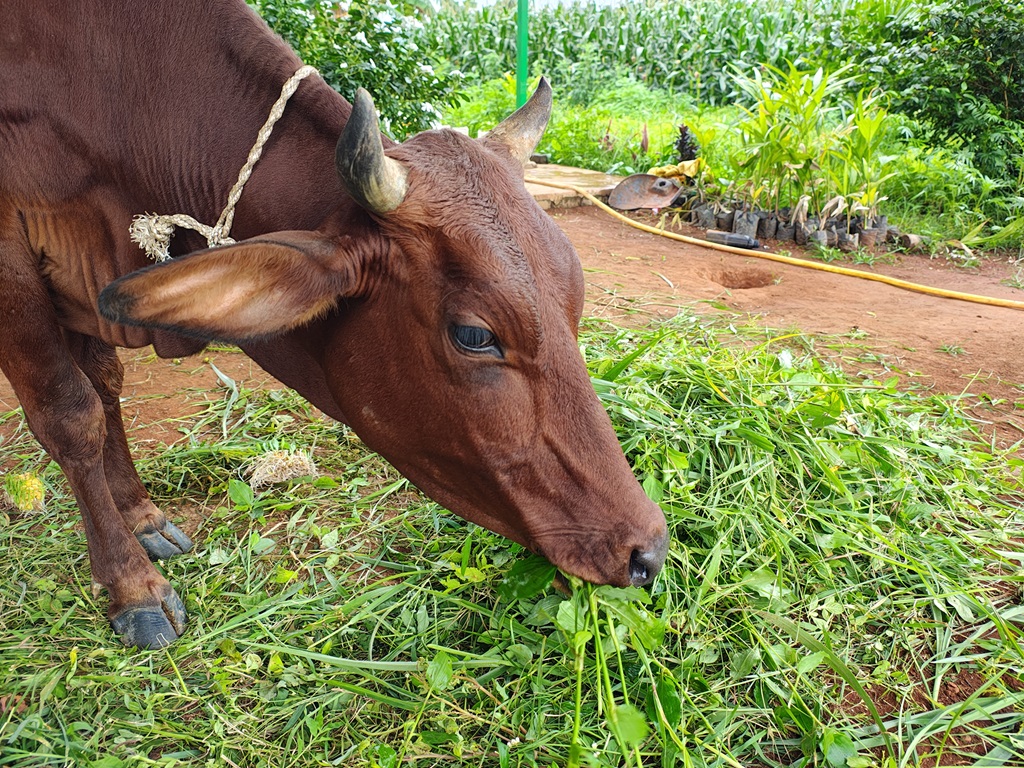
(151, 626)
(164, 542)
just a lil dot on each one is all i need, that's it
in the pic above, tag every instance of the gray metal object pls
(642, 190)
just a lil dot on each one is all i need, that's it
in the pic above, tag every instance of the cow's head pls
(444, 315)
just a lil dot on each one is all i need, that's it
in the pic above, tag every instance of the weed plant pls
(844, 556)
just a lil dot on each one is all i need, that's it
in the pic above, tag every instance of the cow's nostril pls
(638, 575)
(644, 564)
(641, 571)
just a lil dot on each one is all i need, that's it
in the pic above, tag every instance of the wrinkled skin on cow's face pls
(483, 386)
(445, 335)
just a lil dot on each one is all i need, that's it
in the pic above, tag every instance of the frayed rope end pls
(152, 233)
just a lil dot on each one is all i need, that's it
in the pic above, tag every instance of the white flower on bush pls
(435, 115)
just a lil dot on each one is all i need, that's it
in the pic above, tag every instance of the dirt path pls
(949, 346)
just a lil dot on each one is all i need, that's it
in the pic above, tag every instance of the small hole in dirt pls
(736, 279)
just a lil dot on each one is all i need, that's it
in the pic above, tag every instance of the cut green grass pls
(843, 588)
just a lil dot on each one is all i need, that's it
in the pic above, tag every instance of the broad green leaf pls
(330, 539)
(260, 545)
(386, 757)
(219, 556)
(241, 494)
(837, 747)
(283, 576)
(654, 488)
(526, 579)
(646, 627)
(275, 665)
(520, 653)
(631, 724)
(571, 616)
(744, 662)
(666, 690)
(676, 459)
(439, 671)
(809, 662)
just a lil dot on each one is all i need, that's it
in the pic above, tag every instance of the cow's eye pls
(471, 338)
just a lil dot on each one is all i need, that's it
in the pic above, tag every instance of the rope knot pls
(152, 233)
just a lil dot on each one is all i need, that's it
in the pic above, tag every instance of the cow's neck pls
(227, 95)
(197, 80)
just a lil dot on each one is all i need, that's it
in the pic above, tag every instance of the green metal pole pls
(522, 44)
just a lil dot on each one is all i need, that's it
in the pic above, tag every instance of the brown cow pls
(417, 294)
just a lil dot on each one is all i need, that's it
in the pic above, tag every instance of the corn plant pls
(678, 45)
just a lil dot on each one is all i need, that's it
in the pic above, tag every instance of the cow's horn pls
(521, 131)
(377, 182)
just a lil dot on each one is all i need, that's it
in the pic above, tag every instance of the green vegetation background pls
(845, 554)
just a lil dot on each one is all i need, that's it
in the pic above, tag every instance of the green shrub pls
(484, 105)
(608, 135)
(370, 45)
(958, 66)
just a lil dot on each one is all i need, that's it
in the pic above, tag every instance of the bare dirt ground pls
(633, 277)
(936, 344)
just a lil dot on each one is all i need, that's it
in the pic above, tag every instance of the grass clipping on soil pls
(280, 466)
(842, 589)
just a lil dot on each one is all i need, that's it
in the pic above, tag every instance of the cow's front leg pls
(144, 609)
(159, 537)
(65, 413)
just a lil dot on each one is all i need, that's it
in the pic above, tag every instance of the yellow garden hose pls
(893, 281)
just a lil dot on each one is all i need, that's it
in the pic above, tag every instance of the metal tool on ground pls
(643, 190)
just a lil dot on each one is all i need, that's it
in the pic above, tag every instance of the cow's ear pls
(253, 289)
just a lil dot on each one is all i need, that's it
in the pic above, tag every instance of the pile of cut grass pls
(842, 589)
